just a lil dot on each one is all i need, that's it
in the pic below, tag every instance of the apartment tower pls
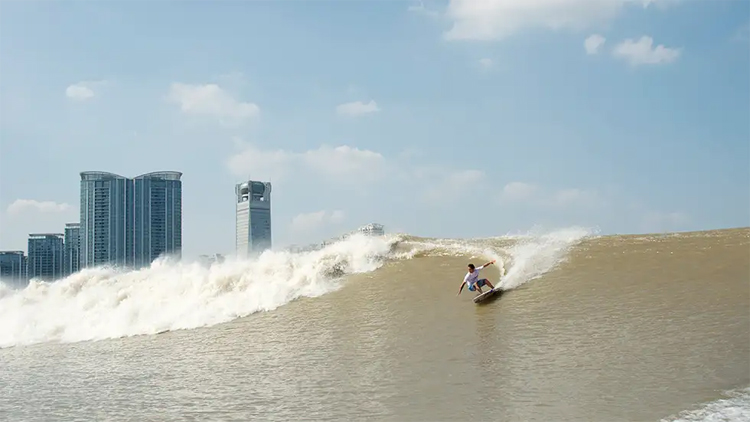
(45, 261)
(130, 221)
(72, 248)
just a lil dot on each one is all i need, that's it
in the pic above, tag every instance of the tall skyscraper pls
(130, 222)
(158, 216)
(13, 267)
(46, 252)
(72, 248)
(106, 208)
(253, 217)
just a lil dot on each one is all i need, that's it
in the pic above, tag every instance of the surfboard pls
(486, 295)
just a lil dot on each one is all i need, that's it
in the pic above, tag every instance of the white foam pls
(102, 303)
(736, 407)
(528, 257)
(536, 253)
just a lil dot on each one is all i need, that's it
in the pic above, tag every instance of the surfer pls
(472, 279)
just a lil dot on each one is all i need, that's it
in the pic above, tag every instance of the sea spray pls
(519, 258)
(735, 407)
(101, 303)
(536, 254)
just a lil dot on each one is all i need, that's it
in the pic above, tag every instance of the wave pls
(520, 258)
(736, 407)
(103, 303)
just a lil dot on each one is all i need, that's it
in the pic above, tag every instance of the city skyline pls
(616, 119)
(124, 222)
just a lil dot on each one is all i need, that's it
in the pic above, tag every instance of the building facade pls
(106, 207)
(130, 222)
(157, 219)
(13, 268)
(45, 261)
(72, 261)
(253, 217)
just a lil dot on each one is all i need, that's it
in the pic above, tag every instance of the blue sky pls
(452, 119)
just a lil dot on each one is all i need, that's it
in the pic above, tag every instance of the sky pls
(457, 118)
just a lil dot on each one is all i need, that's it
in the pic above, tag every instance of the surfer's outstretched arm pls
(463, 283)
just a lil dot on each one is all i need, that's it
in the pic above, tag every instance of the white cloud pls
(420, 9)
(662, 4)
(83, 90)
(519, 191)
(570, 198)
(448, 186)
(499, 19)
(485, 63)
(260, 164)
(210, 100)
(357, 108)
(342, 163)
(643, 52)
(577, 197)
(23, 206)
(315, 220)
(465, 177)
(79, 92)
(593, 43)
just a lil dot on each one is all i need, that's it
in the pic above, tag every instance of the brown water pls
(633, 328)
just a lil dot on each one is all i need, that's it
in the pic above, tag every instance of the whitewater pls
(103, 303)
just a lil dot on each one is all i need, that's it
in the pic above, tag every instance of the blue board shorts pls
(481, 283)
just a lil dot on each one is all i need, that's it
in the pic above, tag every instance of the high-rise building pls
(130, 222)
(13, 267)
(106, 208)
(45, 260)
(253, 217)
(157, 226)
(72, 248)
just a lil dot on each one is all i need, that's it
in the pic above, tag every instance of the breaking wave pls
(735, 407)
(102, 303)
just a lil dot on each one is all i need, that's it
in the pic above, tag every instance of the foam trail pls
(102, 303)
(527, 257)
(736, 407)
(536, 254)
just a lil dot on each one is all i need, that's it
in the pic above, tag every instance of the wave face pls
(102, 303)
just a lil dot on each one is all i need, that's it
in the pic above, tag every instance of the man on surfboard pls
(472, 280)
